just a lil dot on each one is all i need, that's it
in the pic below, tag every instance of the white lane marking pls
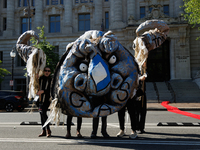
(134, 142)
(179, 123)
(196, 124)
(111, 125)
(89, 125)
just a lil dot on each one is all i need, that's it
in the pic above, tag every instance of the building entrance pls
(158, 64)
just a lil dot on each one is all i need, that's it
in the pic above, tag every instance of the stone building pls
(65, 20)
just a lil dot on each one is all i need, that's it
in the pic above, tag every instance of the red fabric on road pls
(176, 110)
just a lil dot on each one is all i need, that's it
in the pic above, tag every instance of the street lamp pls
(12, 55)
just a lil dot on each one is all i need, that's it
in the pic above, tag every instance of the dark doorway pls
(158, 66)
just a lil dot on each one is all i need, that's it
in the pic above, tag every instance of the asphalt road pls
(25, 137)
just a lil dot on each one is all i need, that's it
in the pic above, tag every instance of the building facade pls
(65, 20)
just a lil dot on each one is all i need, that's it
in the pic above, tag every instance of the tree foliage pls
(52, 58)
(3, 72)
(192, 9)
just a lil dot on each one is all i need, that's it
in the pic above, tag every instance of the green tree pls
(3, 72)
(52, 58)
(192, 9)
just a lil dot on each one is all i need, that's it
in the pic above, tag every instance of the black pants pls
(141, 110)
(43, 116)
(69, 120)
(130, 105)
(96, 124)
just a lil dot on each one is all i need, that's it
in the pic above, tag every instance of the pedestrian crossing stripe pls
(178, 124)
(39, 123)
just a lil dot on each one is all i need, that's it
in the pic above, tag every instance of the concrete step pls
(186, 91)
(164, 93)
(150, 92)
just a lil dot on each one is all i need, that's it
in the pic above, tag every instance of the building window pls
(106, 20)
(83, 1)
(166, 9)
(21, 85)
(47, 2)
(54, 2)
(24, 25)
(19, 3)
(5, 4)
(4, 23)
(1, 56)
(25, 3)
(86, 1)
(61, 2)
(84, 22)
(150, 9)
(33, 3)
(20, 61)
(106, 0)
(142, 12)
(54, 24)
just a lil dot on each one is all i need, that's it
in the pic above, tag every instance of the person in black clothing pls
(130, 105)
(141, 102)
(79, 122)
(44, 101)
(103, 127)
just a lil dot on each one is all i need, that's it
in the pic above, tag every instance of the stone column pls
(111, 19)
(171, 8)
(68, 5)
(38, 13)
(118, 10)
(10, 18)
(116, 15)
(131, 8)
(98, 13)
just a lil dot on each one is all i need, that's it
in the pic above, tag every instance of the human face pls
(47, 72)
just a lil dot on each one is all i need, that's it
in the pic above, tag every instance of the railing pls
(157, 93)
(169, 86)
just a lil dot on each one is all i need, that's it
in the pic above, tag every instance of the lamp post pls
(12, 55)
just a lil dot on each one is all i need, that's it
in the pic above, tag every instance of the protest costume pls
(150, 35)
(96, 75)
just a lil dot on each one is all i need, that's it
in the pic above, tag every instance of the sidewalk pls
(181, 106)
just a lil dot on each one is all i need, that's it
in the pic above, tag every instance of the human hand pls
(142, 78)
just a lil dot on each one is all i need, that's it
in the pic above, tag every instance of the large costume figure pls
(96, 75)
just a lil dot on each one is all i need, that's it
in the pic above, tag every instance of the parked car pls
(11, 100)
